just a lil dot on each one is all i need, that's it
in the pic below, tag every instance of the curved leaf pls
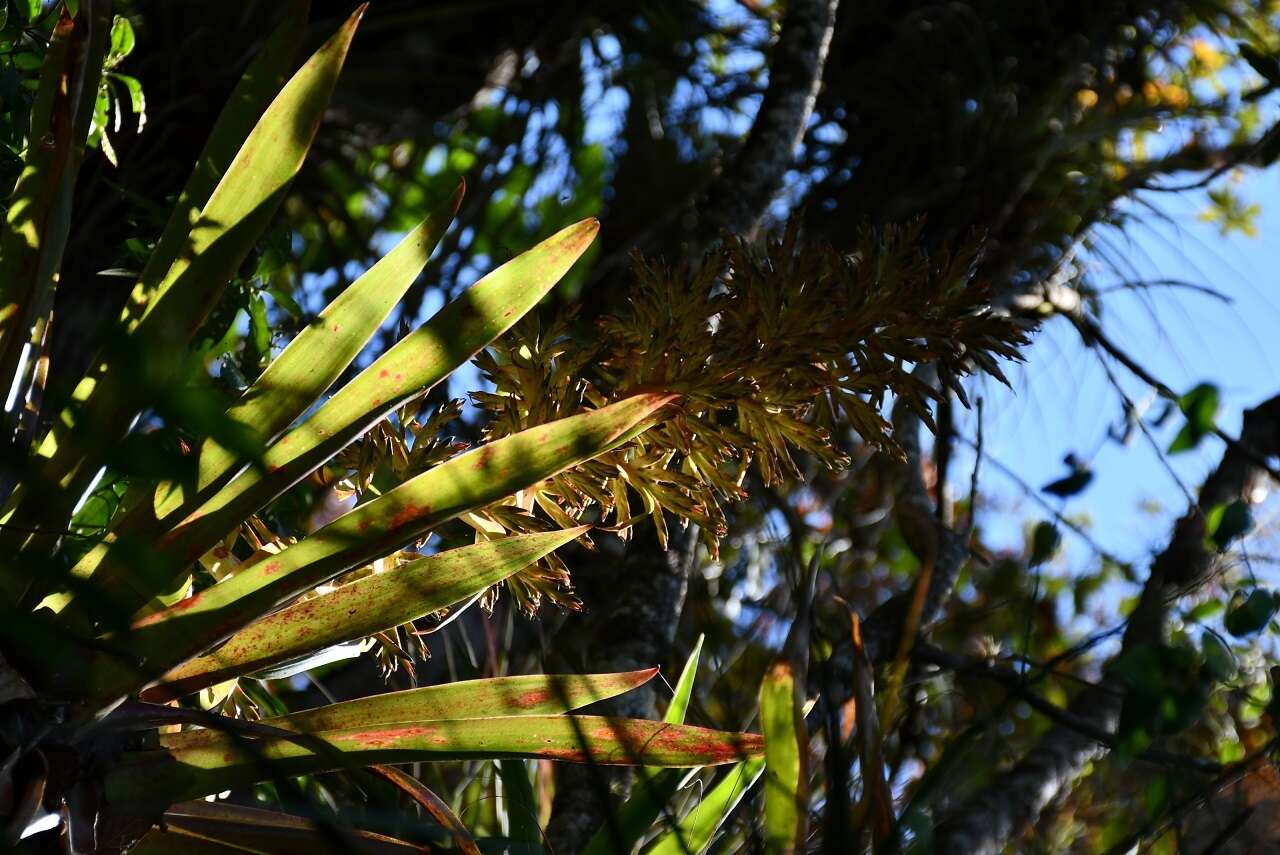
(166, 639)
(432, 804)
(534, 694)
(187, 773)
(693, 834)
(364, 607)
(239, 208)
(200, 826)
(415, 364)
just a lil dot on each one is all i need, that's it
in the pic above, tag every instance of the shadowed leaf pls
(192, 772)
(362, 608)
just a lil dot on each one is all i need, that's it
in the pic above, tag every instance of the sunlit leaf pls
(415, 364)
(176, 301)
(653, 789)
(534, 694)
(786, 755)
(694, 832)
(170, 637)
(186, 773)
(361, 608)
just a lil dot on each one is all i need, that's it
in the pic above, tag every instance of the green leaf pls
(683, 691)
(1203, 611)
(433, 804)
(786, 760)
(1250, 613)
(137, 98)
(1219, 661)
(187, 773)
(38, 218)
(259, 329)
(653, 789)
(261, 82)
(195, 826)
(319, 354)
(1200, 406)
(695, 831)
(122, 39)
(534, 694)
(1045, 540)
(1224, 523)
(175, 302)
(521, 806)
(399, 517)
(362, 608)
(415, 364)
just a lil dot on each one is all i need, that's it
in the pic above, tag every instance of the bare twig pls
(987, 821)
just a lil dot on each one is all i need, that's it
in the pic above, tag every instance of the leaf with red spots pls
(362, 608)
(415, 364)
(168, 638)
(311, 363)
(533, 694)
(319, 354)
(170, 304)
(654, 789)
(227, 762)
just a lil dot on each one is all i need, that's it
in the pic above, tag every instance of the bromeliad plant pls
(185, 583)
(86, 632)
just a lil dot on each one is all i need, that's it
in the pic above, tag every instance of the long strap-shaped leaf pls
(786, 749)
(255, 90)
(362, 608)
(493, 471)
(693, 834)
(416, 363)
(34, 231)
(197, 771)
(653, 789)
(292, 382)
(189, 827)
(532, 694)
(432, 804)
(782, 714)
(319, 354)
(144, 362)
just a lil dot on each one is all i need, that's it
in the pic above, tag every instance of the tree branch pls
(739, 197)
(984, 823)
(639, 621)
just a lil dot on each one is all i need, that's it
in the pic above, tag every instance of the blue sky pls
(1062, 401)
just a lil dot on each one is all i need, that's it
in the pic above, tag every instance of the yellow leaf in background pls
(1207, 55)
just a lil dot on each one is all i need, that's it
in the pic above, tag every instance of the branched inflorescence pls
(773, 350)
